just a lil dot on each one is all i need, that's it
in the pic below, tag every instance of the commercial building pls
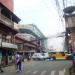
(31, 33)
(7, 33)
(12, 40)
(25, 47)
(69, 16)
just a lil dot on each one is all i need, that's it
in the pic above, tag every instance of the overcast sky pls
(42, 13)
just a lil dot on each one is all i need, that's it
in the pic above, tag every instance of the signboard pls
(9, 45)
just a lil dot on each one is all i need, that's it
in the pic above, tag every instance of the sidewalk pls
(10, 70)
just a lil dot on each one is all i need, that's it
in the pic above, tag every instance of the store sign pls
(9, 45)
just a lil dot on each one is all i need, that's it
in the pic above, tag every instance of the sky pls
(42, 13)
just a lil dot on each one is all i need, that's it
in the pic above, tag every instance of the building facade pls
(69, 16)
(10, 41)
(38, 36)
(25, 47)
(7, 34)
(8, 3)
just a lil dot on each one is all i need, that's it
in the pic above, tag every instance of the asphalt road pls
(40, 68)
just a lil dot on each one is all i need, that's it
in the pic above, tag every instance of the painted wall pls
(8, 4)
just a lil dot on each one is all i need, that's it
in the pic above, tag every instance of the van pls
(40, 56)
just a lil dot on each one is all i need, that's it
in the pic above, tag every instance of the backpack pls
(18, 58)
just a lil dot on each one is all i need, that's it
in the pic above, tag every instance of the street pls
(40, 68)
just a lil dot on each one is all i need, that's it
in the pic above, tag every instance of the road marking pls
(43, 72)
(52, 73)
(35, 72)
(27, 72)
(62, 72)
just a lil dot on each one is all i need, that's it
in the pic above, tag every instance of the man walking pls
(18, 61)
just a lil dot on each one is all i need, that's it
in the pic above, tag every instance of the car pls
(40, 56)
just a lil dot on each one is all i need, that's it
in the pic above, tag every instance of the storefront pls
(7, 34)
(6, 56)
(7, 53)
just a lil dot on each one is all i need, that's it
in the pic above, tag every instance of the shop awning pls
(9, 45)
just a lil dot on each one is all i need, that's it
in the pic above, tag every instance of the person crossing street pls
(18, 60)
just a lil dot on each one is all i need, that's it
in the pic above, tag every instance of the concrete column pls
(73, 41)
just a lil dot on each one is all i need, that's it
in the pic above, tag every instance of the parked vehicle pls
(40, 56)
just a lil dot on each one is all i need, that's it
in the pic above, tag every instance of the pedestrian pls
(18, 60)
